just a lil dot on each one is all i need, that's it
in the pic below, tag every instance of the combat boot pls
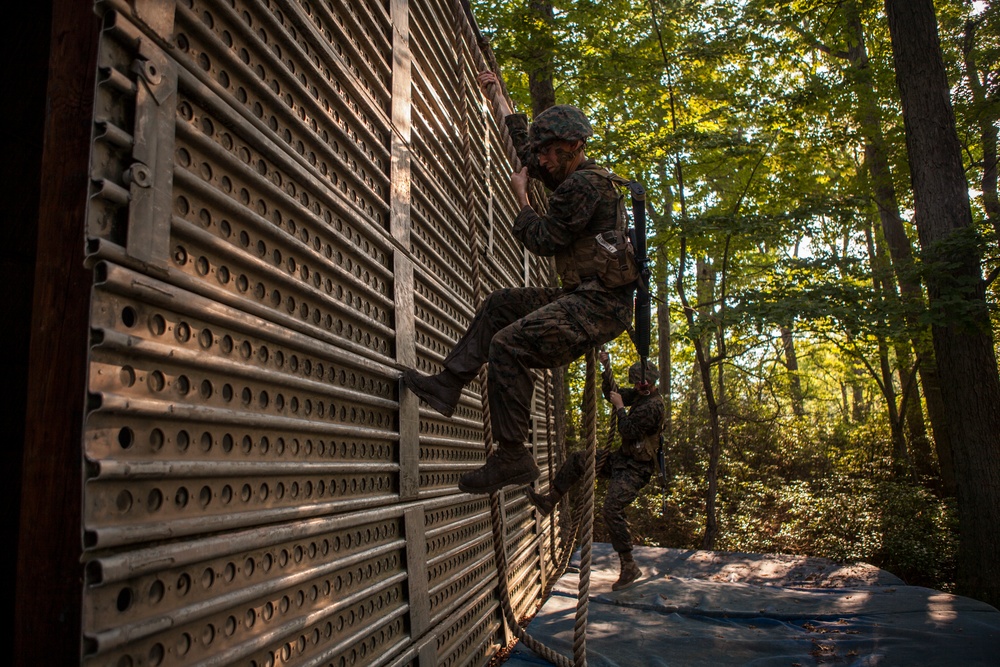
(440, 391)
(629, 571)
(511, 464)
(545, 502)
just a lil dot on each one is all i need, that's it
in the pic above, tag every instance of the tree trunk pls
(715, 451)
(792, 361)
(963, 343)
(879, 283)
(899, 457)
(987, 127)
(859, 410)
(909, 407)
(792, 366)
(665, 221)
(705, 295)
(900, 253)
(705, 289)
(666, 378)
(540, 58)
(916, 432)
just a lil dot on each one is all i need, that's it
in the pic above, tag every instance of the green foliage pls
(899, 527)
(808, 493)
(770, 109)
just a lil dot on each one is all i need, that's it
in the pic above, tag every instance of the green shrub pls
(896, 526)
(798, 487)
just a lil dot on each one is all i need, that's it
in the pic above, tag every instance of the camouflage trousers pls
(627, 476)
(519, 329)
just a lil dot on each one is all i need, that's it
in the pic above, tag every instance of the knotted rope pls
(583, 595)
(476, 50)
(584, 517)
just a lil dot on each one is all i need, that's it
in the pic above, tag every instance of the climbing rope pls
(479, 295)
(549, 459)
(583, 596)
(584, 518)
(476, 49)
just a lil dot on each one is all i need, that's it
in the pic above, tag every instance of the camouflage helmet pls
(560, 122)
(635, 373)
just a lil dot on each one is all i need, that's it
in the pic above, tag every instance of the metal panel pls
(288, 198)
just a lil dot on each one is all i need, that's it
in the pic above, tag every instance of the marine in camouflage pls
(626, 473)
(626, 478)
(642, 416)
(519, 329)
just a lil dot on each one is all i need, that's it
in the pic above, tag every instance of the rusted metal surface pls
(277, 224)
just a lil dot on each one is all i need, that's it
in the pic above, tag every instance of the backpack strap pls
(619, 183)
(610, 175)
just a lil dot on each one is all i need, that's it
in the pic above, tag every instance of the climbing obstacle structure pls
(290, 201)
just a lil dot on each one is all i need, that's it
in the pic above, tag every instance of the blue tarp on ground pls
(713, 609)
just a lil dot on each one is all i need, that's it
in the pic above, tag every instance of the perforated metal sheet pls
(288, 202)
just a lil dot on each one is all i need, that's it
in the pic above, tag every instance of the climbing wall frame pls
(287, 201)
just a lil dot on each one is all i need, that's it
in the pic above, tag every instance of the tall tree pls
(848, 44)
(769, 137)
(974, 27)
(963, 342)
(538, 61)
(792, 365)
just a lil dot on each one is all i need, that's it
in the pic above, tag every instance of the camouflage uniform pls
(518, 329)
(628, 468)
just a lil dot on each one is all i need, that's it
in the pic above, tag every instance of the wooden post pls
(49, 573)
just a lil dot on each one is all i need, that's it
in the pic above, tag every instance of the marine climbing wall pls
(291, 200)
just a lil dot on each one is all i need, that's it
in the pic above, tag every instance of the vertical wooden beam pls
(539, 533)
(427, 657)
(416, 572)
(399, 223)
(49, 573)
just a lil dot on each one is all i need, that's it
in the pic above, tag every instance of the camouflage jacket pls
(586, 203)
(641, 423)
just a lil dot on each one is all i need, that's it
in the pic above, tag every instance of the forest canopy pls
(804, 302)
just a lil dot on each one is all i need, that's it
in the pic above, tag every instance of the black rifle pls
(641, 334)
(642, 299)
